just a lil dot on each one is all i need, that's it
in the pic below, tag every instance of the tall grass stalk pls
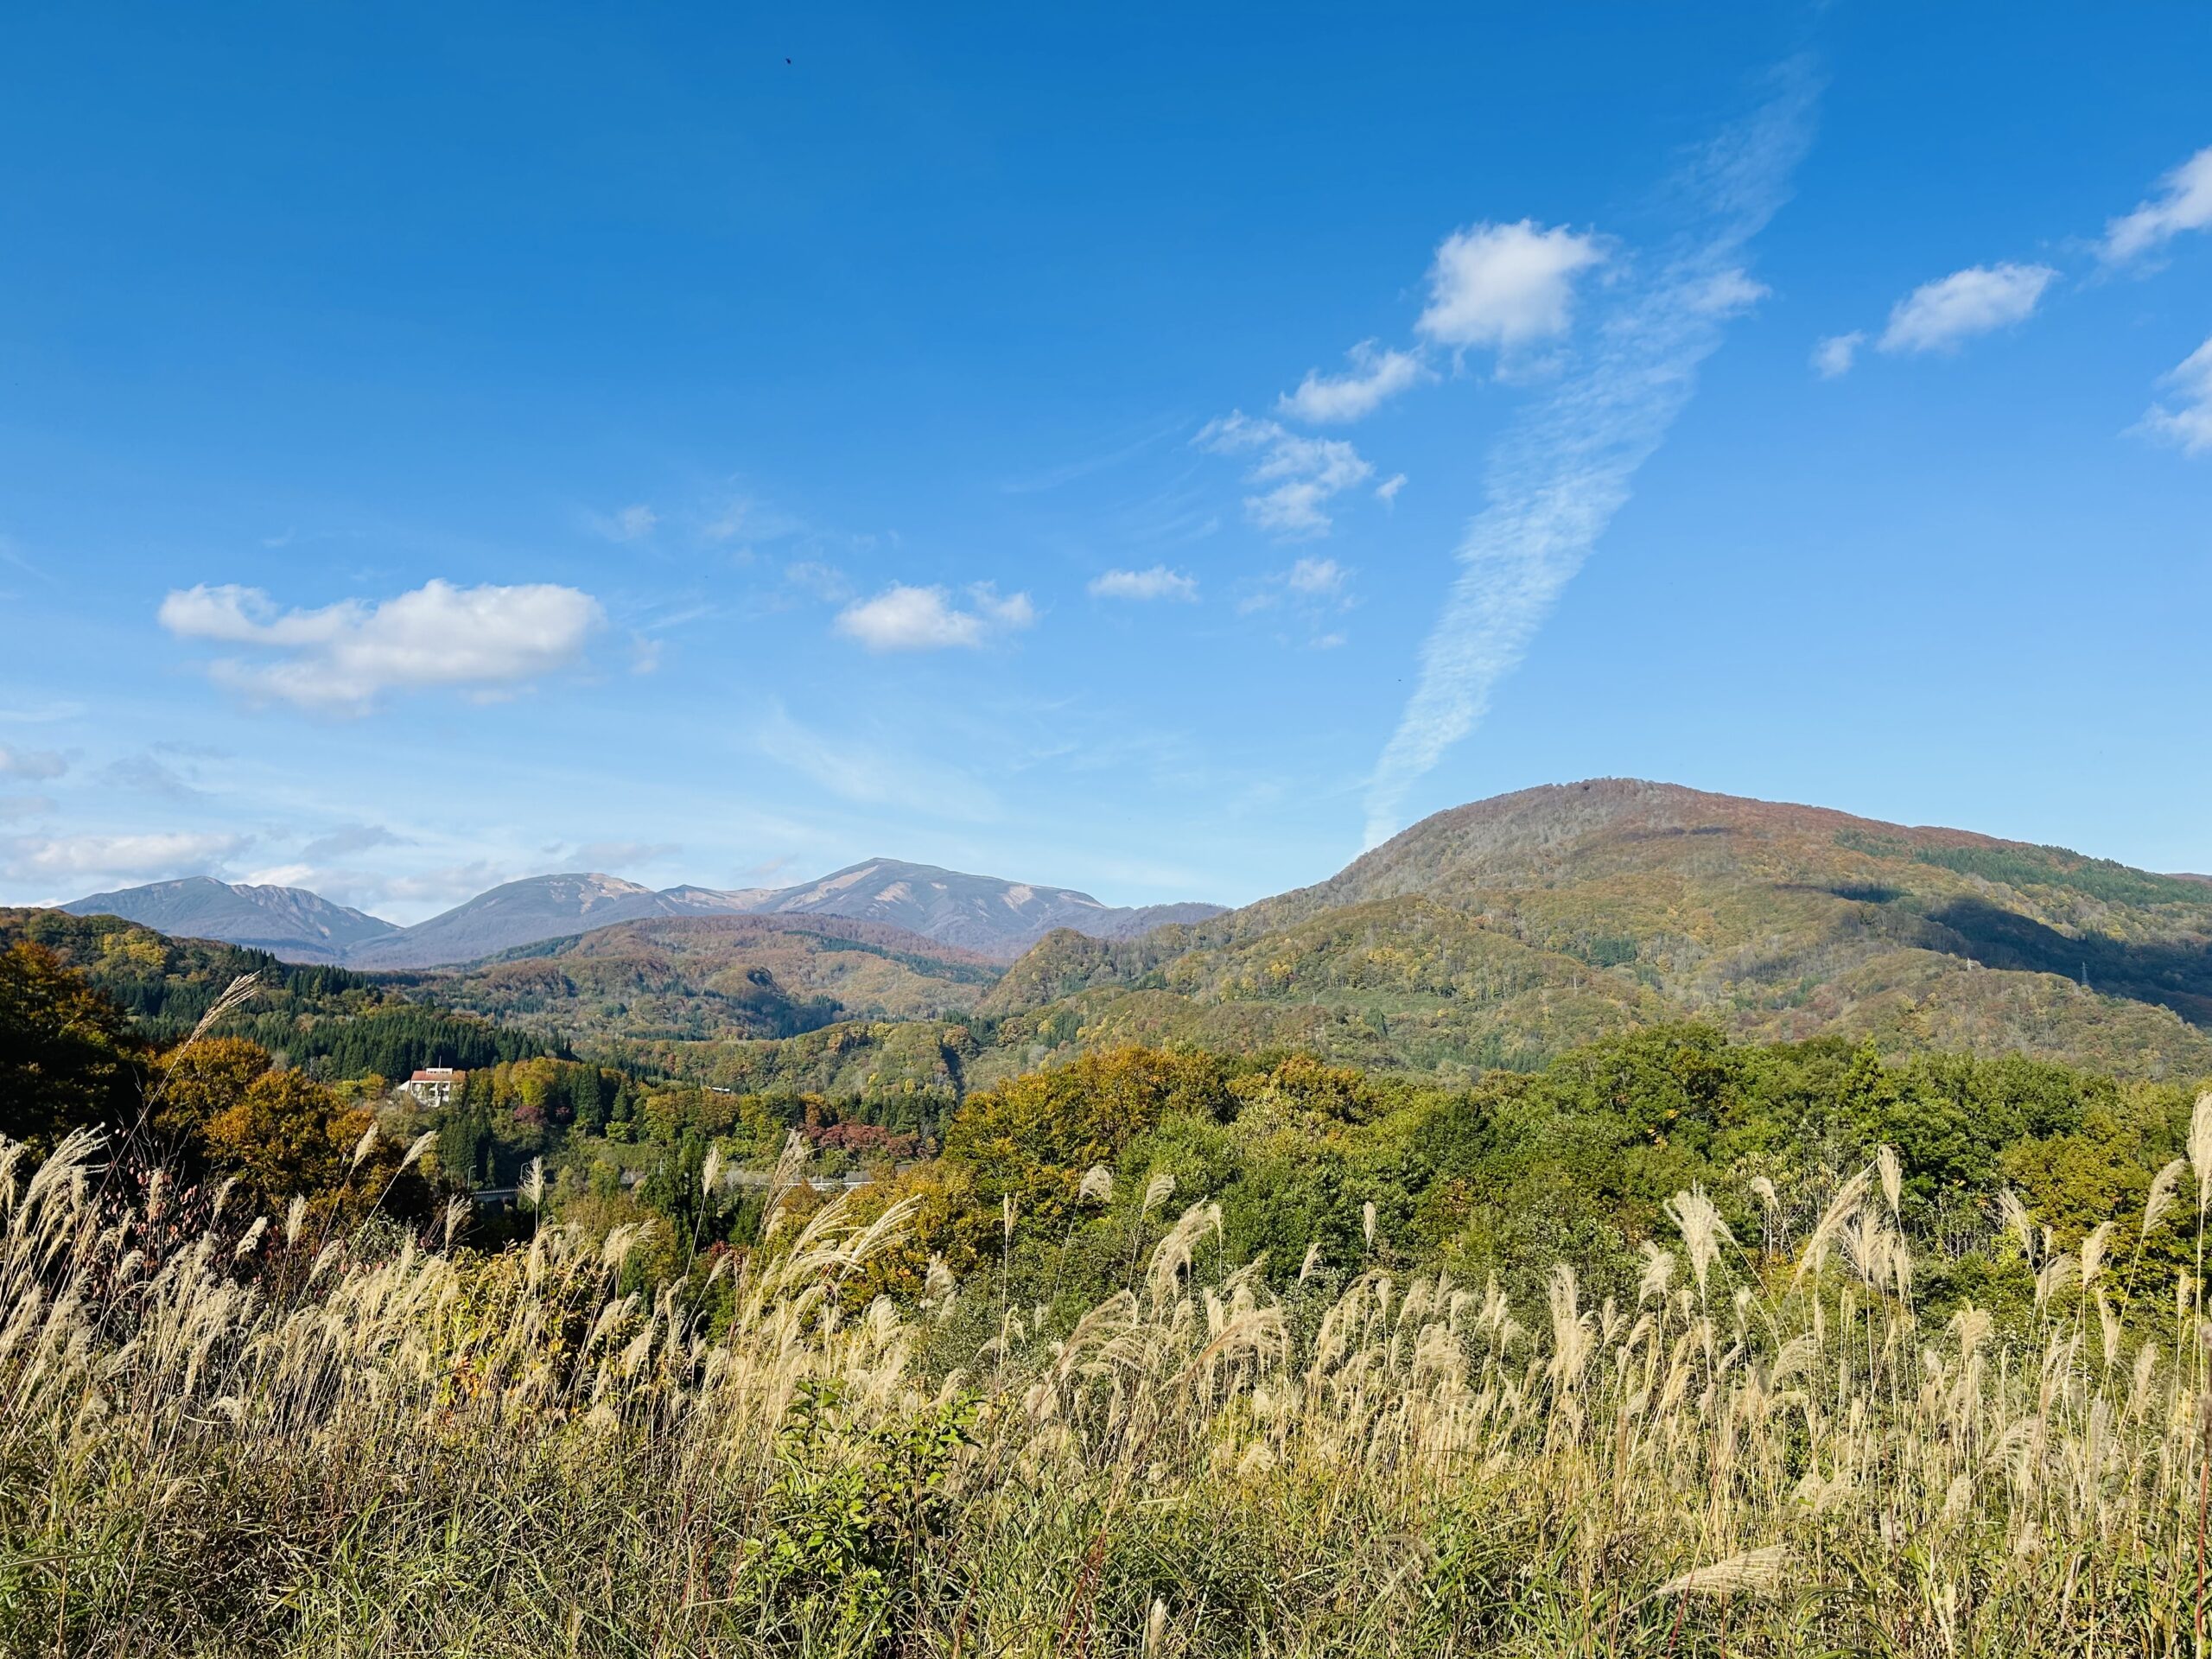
(379, 1448)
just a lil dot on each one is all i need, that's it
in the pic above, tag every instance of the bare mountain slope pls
(517, 913)
(977, 912)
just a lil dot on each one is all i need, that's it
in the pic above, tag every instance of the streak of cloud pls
(1565, 468)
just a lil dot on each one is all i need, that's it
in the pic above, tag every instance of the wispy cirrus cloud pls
(342, 657)
(1317, 578)
(1375, 378)
(854, 769)
(43, 714)
(2186, 421)
(2183, 203)
(631, 524)
(1834, 356)
(1938, 316)
(1566, 465)
(1294, 476)
(901, 618)
(1158, 583)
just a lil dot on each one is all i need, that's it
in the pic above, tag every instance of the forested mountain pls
(672, 978)
(288, 922)
(1502, 932)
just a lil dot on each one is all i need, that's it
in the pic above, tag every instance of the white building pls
(435, 1085)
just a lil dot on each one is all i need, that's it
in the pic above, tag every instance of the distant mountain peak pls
(288, 922)
(981, 914)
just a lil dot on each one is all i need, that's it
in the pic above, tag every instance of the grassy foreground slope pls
(1768, 1449)
(1502, 931)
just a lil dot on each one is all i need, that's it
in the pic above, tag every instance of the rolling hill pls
(688, 978)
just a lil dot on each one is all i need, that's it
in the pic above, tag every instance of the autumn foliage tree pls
(1033, 1137)
(67, 1054)
(222, 1103)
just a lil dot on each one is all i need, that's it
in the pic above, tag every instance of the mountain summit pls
(1509, 929)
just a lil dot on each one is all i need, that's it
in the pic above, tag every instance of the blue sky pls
(1149, 451)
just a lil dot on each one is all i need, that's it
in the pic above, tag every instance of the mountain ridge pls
(996, 918)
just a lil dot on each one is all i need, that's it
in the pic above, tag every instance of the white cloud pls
(41, 764)
(1730, 294)
(901, 618)
(1302, 472)
(401, 896)
(284, 875)
(2183, 203)
(1386, 491)
(631, 524)
(1835, 355)
(1316, 577)
(344, 656)
(1937, 315)
(1015, 611)
(116, 858)
(1565, 468)
(2188, 422)
(1375, 376)
(24, 806)
(1504, 285)
(1159, 582)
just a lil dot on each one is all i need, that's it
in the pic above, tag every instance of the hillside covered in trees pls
(675, 979)
(1501, 932)
(331, 1020)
